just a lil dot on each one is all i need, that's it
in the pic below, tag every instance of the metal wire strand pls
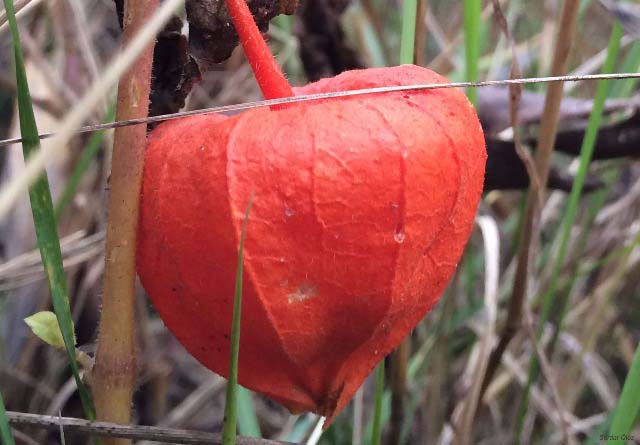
(335, 95)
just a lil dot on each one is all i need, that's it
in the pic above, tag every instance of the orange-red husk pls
(362, 208)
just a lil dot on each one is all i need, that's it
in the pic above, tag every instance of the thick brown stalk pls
(566, 27)
(114, 375)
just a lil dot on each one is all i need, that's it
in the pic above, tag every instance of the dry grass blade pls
(96, 93)
(316, 433)
(565, 33)
(107, 429)
(21, 8)
(515, 93)
(550, 378)
(491, 237)
(437, 394)
(42, 211)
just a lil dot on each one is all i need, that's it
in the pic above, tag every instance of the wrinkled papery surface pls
(362, 208)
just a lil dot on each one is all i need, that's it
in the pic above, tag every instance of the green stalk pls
(400, 357)
(472, 10)
(408, 40)
(6, 436)
(376, 433)
(626, 413)
(586, 153)
(231, 403)
(43, 215)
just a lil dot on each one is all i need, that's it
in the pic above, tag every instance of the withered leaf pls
(179, 60)
(174, 70)
(212, 36)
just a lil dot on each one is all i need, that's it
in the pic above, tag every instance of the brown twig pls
(115, 371)
(515, 95)
(420, 49)
(564, 37)
(115, 430)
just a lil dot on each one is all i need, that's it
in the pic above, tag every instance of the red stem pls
(273, 83)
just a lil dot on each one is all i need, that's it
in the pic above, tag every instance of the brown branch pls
(115, 430)
(420, 50)
(549, 126)
(113, 380)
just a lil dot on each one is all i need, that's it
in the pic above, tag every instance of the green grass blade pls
(630, 64)
(408, 40)
(376, 433)
(95, 142)
(43, 215)
(247, 420)
(586, 154)
(6, 436)
(231, 403)
(472, 10)
(626, 413)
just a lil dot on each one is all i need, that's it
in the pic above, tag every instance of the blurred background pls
(67, 44)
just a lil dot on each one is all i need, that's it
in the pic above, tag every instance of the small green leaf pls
(45, 325)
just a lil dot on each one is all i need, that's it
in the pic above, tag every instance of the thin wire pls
(335, 95)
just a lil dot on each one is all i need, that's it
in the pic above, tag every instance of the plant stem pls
(408, 38)
(273, 83)
(565, 32)
(400, 358)
(472, 11)
(564, 37)
(115, 370)
(43, 215)
(231, 402)
(377, 410)
(586, 153)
